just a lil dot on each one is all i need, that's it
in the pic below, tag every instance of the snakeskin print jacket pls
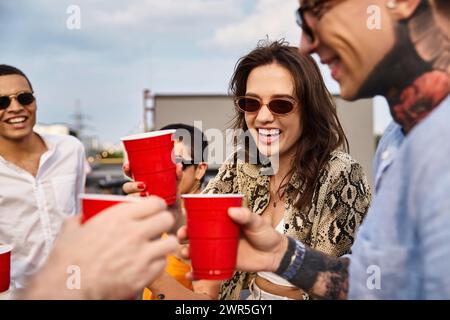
(339, 204)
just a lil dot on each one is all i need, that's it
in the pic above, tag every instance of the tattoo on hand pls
(323, 276)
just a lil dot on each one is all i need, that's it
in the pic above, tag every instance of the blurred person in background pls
(192, 155)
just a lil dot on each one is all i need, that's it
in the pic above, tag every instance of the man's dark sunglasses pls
(185, 163)
(24, 98)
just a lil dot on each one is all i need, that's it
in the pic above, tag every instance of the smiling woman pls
(323, 193)
(309, 131)
(298, 178)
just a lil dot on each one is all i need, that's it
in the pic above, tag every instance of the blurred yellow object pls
(177, 269)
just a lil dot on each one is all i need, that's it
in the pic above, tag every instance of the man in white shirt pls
(40, 178)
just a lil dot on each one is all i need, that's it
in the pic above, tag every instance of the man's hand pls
(117, 253)
(261, 247)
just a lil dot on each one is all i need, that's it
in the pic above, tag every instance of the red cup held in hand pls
(213, 236)
(5, 267)
(92, 204)
(151, 161)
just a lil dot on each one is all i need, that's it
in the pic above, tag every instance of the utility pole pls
(148, 108)
(79, 119)
(79, 126)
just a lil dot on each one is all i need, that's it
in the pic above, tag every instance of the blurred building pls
(216, 111)
(58, 129)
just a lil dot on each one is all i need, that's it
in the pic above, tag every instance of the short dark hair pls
(198, 154)
(6, 70)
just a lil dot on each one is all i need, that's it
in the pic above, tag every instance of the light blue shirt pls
(402, 249)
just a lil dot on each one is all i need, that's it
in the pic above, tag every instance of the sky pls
(122, 47)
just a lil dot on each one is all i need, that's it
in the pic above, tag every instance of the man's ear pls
(200, 170)
(402, 9)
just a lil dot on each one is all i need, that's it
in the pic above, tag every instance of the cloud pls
(165, 17)
(116, 29)
(273, 18)
(124, 46)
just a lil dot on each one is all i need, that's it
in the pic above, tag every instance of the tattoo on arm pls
(322, 276)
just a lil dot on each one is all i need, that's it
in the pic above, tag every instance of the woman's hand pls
(133, 188)
(138, 188)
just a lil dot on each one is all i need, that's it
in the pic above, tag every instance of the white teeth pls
(16, 120)
(269, 132)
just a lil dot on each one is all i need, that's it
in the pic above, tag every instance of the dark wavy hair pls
(322, 132)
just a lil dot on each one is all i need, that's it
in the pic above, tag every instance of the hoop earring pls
(392, 4)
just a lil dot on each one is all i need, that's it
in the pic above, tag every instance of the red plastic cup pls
(213, 236)
(151, 161)
(5, 267)
(92, 204)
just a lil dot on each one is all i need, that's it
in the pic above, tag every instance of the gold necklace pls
(281, 190)
(277, 193)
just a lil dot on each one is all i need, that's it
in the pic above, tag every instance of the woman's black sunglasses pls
(24, 98)
(279, 106)
(185, 163)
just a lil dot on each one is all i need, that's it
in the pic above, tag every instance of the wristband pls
(293, 258)
(286, 260)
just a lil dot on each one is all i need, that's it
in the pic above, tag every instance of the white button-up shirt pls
(32, 209)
